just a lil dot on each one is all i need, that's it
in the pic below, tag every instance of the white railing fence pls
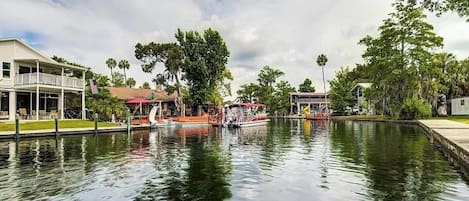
(48, 79)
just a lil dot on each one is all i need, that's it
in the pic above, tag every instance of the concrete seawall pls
(4, 135)
(453, 139)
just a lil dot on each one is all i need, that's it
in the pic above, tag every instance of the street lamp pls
(321, 61)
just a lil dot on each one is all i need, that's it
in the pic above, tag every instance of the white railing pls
(48, 79)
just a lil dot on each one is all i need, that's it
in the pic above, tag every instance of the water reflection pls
(286, 160)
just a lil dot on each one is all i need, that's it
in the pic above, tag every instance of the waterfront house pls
(167, 100)
(460, 106)
(34, 86)
(300, 100)
(361, 104)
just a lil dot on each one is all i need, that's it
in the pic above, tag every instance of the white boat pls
(245, 115)
(154, 123)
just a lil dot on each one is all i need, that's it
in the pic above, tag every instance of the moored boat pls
(240, 115)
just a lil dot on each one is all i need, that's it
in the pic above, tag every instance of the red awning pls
(138, 101)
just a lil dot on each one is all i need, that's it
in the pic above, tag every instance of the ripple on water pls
(289, 160)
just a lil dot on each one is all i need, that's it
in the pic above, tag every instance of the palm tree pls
(158, 80)
(124, 64)
(321, 61)
(111, 63)
(130, 82)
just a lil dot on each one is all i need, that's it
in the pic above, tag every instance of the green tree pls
(223, 88)
(439, 6)
(399, 59)
(170, 54)
(130, 82)
(321, 61)
(145, 85)
(340, 93)
(119, 80)
(124, 64)
(247, 92)
(266, 79)
(111, 64)
(205, 58)
(281, 103)
(306, 86)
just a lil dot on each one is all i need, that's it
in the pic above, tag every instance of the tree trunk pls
(112, 77)
(125, 77)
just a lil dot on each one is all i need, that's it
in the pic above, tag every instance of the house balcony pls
(49, 80)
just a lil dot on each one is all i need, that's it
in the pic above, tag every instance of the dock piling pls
(17, 127)
(56, 121)
(128, 125)
(96, 123)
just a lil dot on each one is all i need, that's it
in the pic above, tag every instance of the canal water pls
(286, 160)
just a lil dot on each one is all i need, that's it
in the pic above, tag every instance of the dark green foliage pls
(198, 59)
(204, 63)
(145, 85)
(118, 80)
(398, 60)
(247, 92)
(275, 97)
(130, 82)
(281, 98)
(459, 6)
(341, 90)
(306, 86)
(414, 109)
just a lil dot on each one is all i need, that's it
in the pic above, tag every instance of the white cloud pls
(284, 34)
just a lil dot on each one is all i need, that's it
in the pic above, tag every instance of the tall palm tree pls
(111, 63)
(321, 61)
(124, 64)
(130, 82)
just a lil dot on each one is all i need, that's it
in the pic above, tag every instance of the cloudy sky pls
(284, 34)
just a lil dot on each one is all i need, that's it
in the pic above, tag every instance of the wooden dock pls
(453, 139)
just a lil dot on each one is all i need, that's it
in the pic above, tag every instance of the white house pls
(33, 85)
(358, 92)
(460, 106)
(300, 100)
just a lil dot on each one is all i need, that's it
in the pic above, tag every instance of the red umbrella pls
(138, 101)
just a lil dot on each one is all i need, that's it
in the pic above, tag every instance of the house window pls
(462, 102)
(360, 92)
(6, 70)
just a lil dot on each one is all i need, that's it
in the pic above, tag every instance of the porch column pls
(30, 104)
(37, 102)
(298, 108)
(12, 105)
(61, 104)
(61, 98)
(37, 90)
(83, 112)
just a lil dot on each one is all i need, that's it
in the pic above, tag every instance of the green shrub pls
(414, 109)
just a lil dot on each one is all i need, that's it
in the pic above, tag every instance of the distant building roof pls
(124, 93)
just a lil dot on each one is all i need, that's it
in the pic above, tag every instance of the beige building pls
(33, 85)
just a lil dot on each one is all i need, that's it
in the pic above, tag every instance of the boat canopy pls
(246, 105)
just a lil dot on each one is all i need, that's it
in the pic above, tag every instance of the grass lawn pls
(39, 125)
(462, 119)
